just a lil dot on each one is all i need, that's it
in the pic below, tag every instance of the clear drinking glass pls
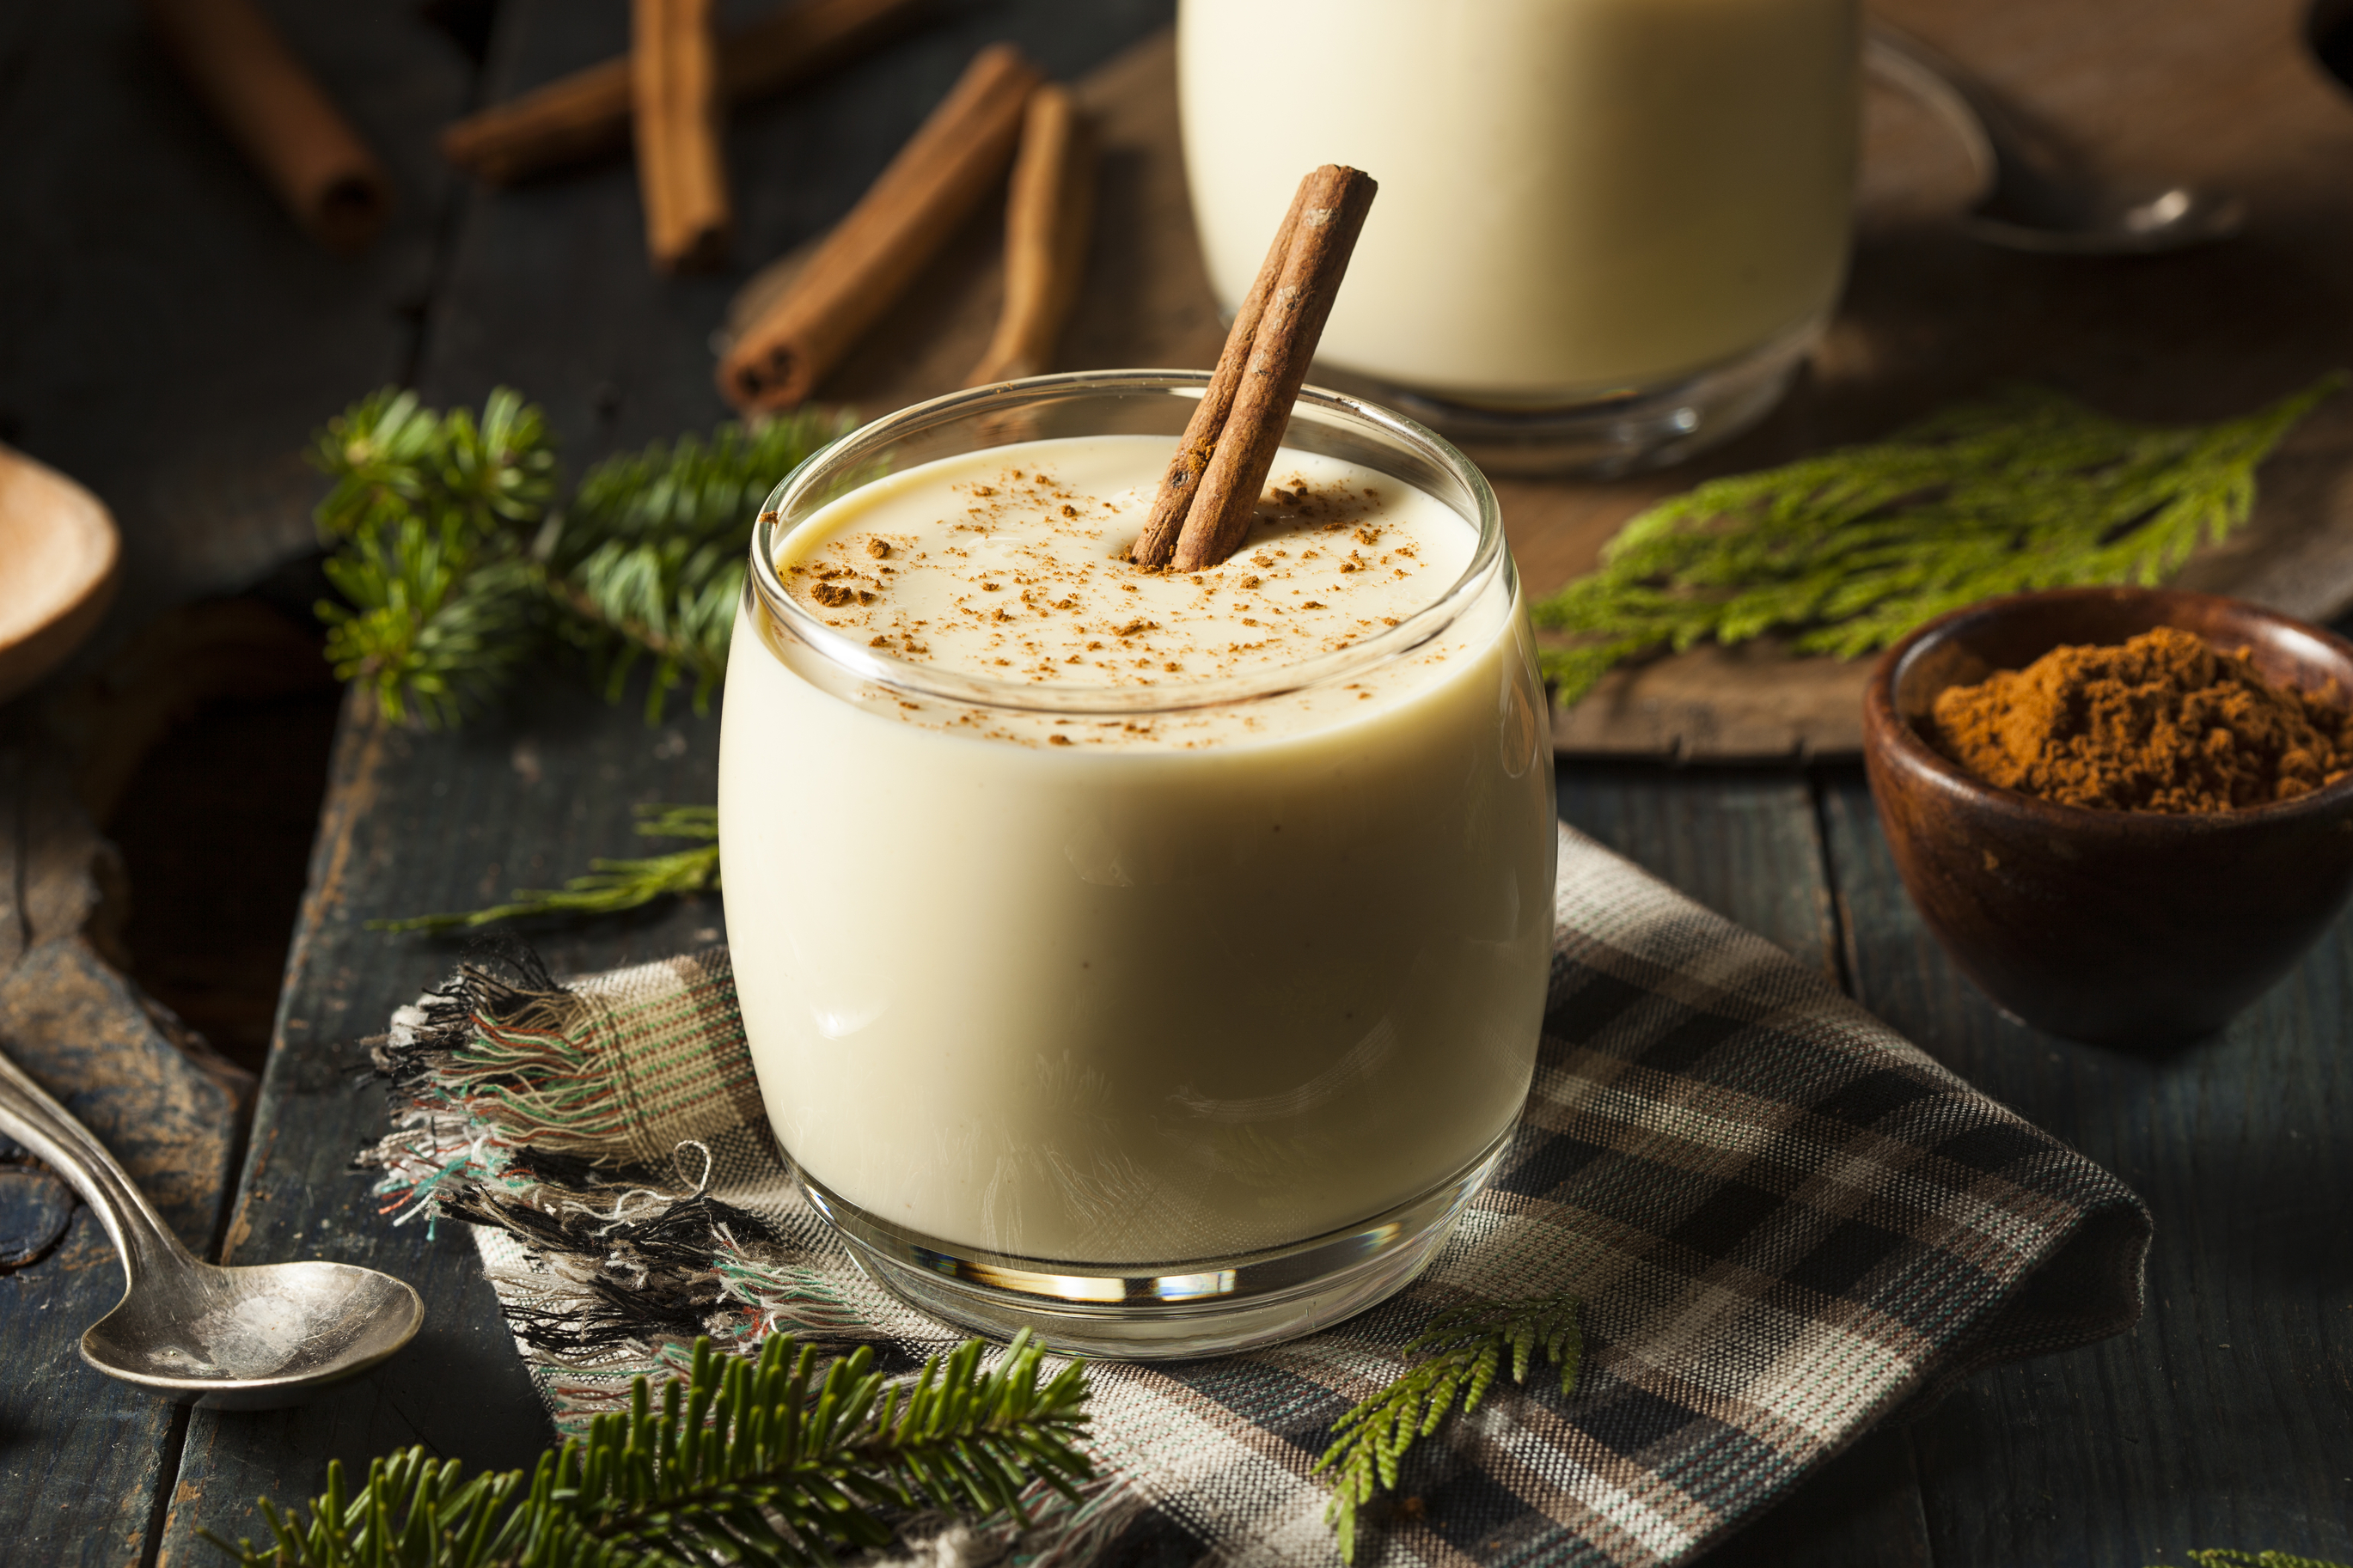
(1155, 1050)
(1608, 231)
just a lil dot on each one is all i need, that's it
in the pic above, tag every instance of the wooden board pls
(2223, 1420)
(82, 1455)
(2223, 95)
(172, 338)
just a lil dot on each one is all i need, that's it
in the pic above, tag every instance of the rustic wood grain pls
(1929, 316)
(2222, 1419)
(547, 290)
(172, 338)
(82, 1455)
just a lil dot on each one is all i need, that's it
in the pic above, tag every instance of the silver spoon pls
(222, 1339)
(2031, 197)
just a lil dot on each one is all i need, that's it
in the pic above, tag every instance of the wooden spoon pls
(58, 556)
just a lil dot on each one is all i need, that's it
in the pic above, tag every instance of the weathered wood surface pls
(167, 336)
(2223, 93)
(547, 290)
(81, 1455)
(2113, 1457)
(2227, 1417)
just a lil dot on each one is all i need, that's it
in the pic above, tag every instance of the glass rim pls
(1412, 631)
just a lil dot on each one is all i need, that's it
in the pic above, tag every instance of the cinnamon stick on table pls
(278, 116)
(867, 262)
(674, 69)
(1229, 447)
(585, 115)
(1049, 217)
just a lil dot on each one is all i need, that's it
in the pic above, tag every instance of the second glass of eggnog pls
(1153, 961)
(1609, 230)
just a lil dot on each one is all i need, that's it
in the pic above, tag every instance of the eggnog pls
(1097, 917)
(1578, 198)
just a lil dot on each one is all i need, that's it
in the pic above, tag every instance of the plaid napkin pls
(1785, 1221)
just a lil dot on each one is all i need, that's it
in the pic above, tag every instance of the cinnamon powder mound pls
(2161, 724)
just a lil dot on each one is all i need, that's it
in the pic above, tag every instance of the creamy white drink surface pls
(1146, 987)
(1573, 193)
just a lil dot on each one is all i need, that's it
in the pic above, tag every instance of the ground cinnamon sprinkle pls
(2161, 724)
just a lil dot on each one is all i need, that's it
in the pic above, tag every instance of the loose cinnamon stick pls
(938, 177)
(585, 115)
(1265, 369)
(278, 116)
(1049, 216)
(674, 74)
(1157, 544)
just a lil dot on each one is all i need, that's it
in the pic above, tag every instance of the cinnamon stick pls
(867, 262)
(1266, 369)
(1048, 214)
(278, 116)
(587, 115)
(1157, 544)
(674, 74)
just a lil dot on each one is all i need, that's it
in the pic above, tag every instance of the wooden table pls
(2225, 1419)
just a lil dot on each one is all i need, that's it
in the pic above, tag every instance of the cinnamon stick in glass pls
(1048, 219)
(585, 115)
(674, 72)
(1265, 365)
(943, 173)
(278, 116)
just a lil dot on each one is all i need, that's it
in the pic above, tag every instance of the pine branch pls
(649, 560)
(1848, 551)
(759, 1461)
(1465, 1348)
(389, 456)
(428, 516)
(611, 886)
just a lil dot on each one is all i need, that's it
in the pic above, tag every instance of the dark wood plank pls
(2223, 1419)
(82, 1455)
(1746, 843)
(548, 290)
(1741, 841)
(171, 338)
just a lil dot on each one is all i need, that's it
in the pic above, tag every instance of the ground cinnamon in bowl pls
(2162, 724)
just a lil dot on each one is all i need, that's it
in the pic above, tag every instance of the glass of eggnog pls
(1152, 961)
(1609, 230)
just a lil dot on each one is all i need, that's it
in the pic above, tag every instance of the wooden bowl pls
(2122, 928)
(59, 553)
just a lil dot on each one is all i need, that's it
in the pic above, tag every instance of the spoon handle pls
(28, 1115)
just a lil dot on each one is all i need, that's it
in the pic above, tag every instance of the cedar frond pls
(1848, 551)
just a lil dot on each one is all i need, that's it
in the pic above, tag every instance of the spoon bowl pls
(254, 1337)
(241, 1338)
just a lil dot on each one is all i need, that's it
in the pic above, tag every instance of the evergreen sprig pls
(650, 557)
(1848, 551)
(761, 1461)
(1464, 1349)
(611, 886)
(455, 564)
(427, 520)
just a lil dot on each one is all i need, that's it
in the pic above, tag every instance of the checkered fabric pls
(1785, 1222)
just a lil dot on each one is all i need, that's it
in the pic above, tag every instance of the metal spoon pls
(2033, 194)
(222, 1339)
